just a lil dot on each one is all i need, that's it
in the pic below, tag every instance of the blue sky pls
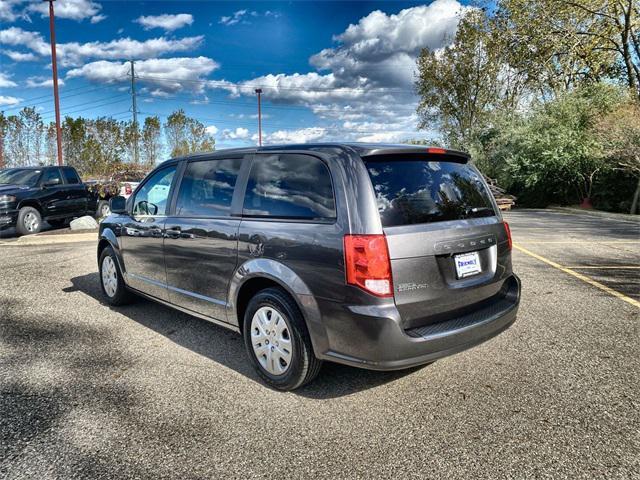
(328, 70)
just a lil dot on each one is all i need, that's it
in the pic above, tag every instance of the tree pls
(175, 130)
(198, 138)
(186, 135)
(51, 146)
(619, 133)
(33, 129)
(109, 137)
(74, 139)
(463, 84)
(151, 141)
(553, 152)
(561, 44)
(130, 137)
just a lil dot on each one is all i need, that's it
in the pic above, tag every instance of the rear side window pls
(418, 191)
(207, 187)
(70, 175)
(289, 186)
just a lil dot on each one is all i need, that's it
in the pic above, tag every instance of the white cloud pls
(74, 53)
(38, 82)
(5, 82)
(242, 16)
(167, 75)
(233, 19)
(167, 22)
(303, 135)
(70, 9)
(15, 36)
(211, 129)
(204, 100)
(7, 12)
(98, 18)
(237, 134)
(20, 56)
(368, 76)
(4, 100)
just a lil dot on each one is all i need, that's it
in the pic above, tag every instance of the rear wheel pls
(29, 221)
(111, 279)
(277, 341)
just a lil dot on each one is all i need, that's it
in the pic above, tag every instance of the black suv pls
(375, 256)
(29, 195)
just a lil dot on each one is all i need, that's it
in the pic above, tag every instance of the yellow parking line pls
(585, 279)
(563, 242)
(609, 267)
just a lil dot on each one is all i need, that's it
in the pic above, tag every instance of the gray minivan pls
(375, 256)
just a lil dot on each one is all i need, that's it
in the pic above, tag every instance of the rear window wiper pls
(468, 211)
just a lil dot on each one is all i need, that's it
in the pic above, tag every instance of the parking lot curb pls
(32, 240)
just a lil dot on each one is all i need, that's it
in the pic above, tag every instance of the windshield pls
(418, 191)
(20, 176)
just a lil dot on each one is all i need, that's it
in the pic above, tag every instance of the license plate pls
(467, 264)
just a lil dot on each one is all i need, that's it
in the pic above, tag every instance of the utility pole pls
(259, 92)
(135, 112)
(54, 67)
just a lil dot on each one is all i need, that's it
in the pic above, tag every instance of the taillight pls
(367, 263)
(508, 232)
(439, 151)
(127, 189)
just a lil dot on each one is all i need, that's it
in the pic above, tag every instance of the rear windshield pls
(418, 191)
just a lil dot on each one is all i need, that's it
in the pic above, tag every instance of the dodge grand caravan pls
(375, 256)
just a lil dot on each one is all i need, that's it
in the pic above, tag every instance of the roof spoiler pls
(417, 153)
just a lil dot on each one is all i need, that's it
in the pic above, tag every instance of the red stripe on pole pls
(54, 66)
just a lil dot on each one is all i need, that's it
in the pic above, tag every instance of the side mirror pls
(51, 183)
(118, 204)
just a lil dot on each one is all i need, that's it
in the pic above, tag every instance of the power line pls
(27, 103)
(68, 112)
(73, 108)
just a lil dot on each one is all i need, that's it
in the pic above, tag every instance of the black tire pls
(57, 223)
(100, 210)
(304, 366)
(29, 221)
(122, 295)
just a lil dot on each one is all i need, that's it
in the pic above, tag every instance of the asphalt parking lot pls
(89, 391)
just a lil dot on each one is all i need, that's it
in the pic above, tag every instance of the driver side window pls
(51, 177)
(153, 196)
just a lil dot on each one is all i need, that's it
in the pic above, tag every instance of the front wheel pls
(29, 221)
(111, 279)
(277, 341)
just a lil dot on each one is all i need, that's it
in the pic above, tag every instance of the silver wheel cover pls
(109, 276)
(31, 222)
(271, 340)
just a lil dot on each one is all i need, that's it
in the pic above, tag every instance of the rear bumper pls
(372, 337)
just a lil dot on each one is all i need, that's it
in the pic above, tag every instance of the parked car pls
(29, 195)
(376, 256)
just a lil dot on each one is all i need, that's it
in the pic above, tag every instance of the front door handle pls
(173, 232)
(155, 231)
